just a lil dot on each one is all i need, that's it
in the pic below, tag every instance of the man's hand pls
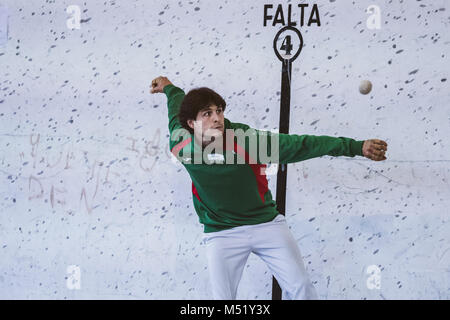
(374, 149)
(158, 84)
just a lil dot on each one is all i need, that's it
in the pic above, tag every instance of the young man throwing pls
(233, 200)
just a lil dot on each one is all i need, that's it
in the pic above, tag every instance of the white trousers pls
(228, 250)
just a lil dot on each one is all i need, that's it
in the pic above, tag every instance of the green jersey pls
(230, 194)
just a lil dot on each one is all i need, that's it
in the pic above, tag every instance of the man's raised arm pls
(174, 95)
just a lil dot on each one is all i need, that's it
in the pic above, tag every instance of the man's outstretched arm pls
(174, 95)
(294, 148)
(317, 146)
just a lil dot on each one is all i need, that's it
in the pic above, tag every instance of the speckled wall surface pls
(92, 205)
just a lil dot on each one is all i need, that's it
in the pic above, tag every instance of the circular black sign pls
(287, 44)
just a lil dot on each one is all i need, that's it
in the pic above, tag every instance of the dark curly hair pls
(196, 100)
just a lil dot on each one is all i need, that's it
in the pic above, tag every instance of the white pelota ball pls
(365, 87)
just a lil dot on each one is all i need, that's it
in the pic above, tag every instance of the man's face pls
(211, 120)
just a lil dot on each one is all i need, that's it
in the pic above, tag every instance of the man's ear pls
(190, 123)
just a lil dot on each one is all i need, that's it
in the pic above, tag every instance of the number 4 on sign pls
(287, 45)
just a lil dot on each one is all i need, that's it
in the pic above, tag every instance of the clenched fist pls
(158, 84)
(374, 149)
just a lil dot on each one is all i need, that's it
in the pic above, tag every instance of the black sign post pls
(286, 58)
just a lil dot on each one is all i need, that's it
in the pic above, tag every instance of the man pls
(232, 200)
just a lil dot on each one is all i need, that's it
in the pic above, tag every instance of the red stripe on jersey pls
(176, 149)
(258, 169)
(194, 191)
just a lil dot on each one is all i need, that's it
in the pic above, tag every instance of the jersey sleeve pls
(292, 148)
(175, 96)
